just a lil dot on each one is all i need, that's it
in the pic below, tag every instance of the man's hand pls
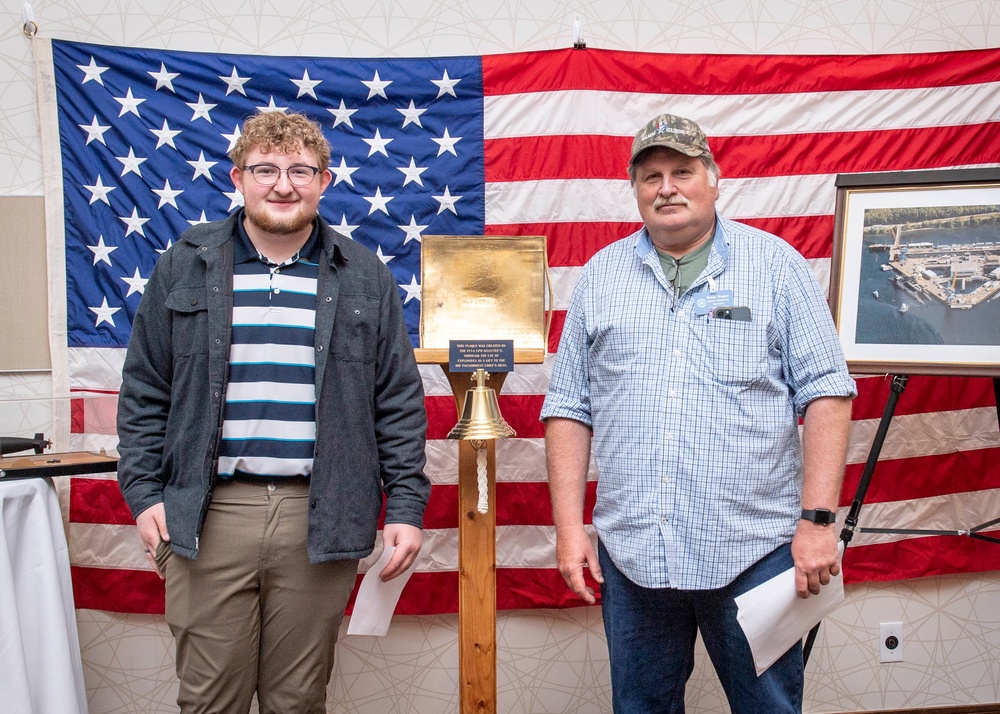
(407, 540)
(814, 550)
(574, 551)
(152, 529)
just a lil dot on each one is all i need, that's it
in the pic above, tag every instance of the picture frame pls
(915, 275)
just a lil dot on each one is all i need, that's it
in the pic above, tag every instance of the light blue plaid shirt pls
(695, 419)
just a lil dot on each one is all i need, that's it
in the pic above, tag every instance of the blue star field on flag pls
(145, 136)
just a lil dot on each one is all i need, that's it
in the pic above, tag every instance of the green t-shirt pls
(685, 270)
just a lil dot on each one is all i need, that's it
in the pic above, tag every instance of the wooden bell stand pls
(480, 288)
(477, 580)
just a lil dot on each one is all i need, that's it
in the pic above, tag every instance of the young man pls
(690, 349)
(269, 397)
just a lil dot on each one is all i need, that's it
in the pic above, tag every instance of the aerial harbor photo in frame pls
(915, 280)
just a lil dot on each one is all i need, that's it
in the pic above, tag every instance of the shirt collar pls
(644, 245)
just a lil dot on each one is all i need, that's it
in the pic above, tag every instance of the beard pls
(258, 216)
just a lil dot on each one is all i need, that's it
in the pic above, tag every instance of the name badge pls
(704, 304)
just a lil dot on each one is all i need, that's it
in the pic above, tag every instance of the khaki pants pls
(251, 614)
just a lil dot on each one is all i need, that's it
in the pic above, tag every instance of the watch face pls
(820, 516)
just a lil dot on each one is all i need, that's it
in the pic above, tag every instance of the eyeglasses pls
(268, 174)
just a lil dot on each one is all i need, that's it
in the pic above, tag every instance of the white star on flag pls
(104, 313)
(234, 83)
(343, 172)
(447, 202)
(446, 143)
(378, 201)
(164, 78)
(130, 104)
(201, 219)
(202, 166)
(92, 72)
(136, 284)
(382, 256)
(378, 144)
(130, 163)
(235, 199)
(376, 86)
(201, 109)
(94, 131)
(167, 194)
(306, 85)
(412, 290)
(161, 251)
(134, 223)
(271, 107)
(412, 172)
(99, 192)
(102, 253)
(165, 136)
(446, 85)
(346, 228)
(233, 138)
(411, 115)
(413, 231)
(342, 114)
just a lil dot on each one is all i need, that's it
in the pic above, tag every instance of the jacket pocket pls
(355, 329)
(189, 315)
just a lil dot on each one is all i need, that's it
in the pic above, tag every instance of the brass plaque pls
(483, 288)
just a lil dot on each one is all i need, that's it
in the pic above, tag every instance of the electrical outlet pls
(890, 641)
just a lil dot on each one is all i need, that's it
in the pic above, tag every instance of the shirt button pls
(677, 353)
(670, 437)
(672, 393)
(666, 479)
(680, 313)
(277, 291)
(663, 519)
(271, 487)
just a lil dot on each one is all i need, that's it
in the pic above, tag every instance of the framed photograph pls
(915, 279)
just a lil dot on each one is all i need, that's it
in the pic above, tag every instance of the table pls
(41, 671)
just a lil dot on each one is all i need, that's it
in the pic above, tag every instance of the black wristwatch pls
(819, 516)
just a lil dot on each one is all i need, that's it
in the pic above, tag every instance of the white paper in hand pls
(376, 599)
(774, 618)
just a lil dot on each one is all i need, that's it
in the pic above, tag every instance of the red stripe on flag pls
(117, 590)
(93, 500)
(921, 557)
(77, 422)
(572, 244)
(569, 244)
(615, 71)
(572, 156)
(923, 395)
(925, 477)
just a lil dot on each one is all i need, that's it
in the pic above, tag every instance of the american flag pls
(516, 144)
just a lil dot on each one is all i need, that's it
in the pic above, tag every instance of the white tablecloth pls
(40, 667)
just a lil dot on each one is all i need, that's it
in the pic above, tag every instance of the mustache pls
(676, 200)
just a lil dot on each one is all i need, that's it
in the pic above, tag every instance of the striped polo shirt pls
(270, 407)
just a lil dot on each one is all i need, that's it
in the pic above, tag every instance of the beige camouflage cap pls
(671, 132)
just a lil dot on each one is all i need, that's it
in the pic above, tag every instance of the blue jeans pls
(651, 635)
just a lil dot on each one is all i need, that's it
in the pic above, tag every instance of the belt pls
(245, 477)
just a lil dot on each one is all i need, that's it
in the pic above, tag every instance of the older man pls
(691, 349)
(270, 396)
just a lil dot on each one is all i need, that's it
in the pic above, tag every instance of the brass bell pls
(481, 417)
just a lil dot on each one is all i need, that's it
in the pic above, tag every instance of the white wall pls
(549, 661)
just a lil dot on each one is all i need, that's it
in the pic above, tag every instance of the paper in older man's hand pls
(377, 599)
(774, 618)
